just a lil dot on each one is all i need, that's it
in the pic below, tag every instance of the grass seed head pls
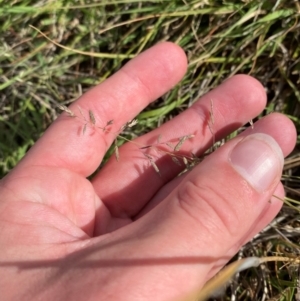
(92, 117)
(66, 109)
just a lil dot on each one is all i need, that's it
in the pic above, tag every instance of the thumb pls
(220, 202)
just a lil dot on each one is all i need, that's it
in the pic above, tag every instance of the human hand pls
(130, 234)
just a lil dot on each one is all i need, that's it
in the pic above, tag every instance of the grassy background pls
(221, 38)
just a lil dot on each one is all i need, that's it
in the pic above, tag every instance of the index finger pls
(119, 98)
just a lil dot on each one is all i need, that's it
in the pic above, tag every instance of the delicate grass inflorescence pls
(173, 152)
(221, 38)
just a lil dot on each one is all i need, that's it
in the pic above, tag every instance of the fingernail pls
(259, 160)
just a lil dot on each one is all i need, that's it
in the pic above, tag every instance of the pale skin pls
(129, 234)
